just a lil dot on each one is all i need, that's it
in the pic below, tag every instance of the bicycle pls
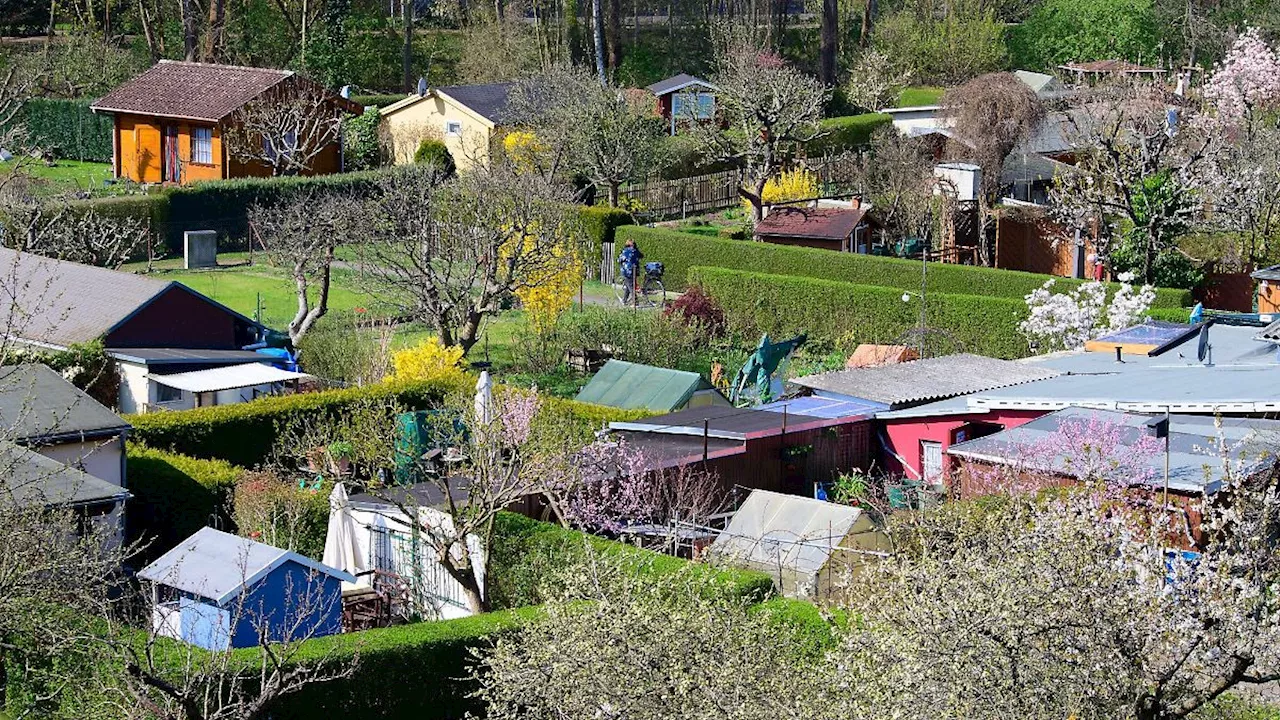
(649, 291)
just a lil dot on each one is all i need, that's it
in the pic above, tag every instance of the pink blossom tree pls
(1247, 79)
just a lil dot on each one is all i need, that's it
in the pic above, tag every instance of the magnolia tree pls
(1066, 321)
(1247, 79)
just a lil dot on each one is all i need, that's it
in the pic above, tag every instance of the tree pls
(301, 235)
(1063, 31)
(285, 129)
(946, 48)
(897, 177)
(602, 132)
(874, 83)
(1247, 81)
(452, 252)
(992, 114)
(770, 109)
(57, 230)
(1066, 321)
(1137, 175)
(829, 32)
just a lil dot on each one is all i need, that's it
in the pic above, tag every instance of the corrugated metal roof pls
(723, 422)
(928, 379)
(776, 530)
(1193, 465)
(1192, 389)
(634, 386)
(228, 377)
(37, 404)
(33, 480)
(218, 566)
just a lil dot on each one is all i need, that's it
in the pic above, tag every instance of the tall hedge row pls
(786, 304)
(69, 128)
(175, 495)
(845, 133)
(680, 251)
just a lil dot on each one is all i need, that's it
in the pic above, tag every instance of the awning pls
(230, 377)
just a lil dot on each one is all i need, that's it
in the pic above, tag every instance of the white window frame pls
(453, 128)
(206, 145)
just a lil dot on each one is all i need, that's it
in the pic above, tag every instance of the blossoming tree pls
(1247, 79)
(1066, 321)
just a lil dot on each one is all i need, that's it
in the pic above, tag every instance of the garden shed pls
(633, 386)
(217, 591)
(808, 546)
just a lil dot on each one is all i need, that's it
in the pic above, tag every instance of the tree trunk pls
(406, 58)
(1149, 260)
(469, 333)
(188, 29)
(217, 20)
(830, 31)
(597, 37)
(615, 34)
(153, 48)
(868, 20)
(307, 314)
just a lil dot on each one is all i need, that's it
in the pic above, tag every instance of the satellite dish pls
(1204, 349)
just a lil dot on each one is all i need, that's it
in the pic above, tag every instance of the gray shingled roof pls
(923, 380)
(218, 566)
(62, 303)
(37, 404)
(192, 91)
(488, 101)
(675, 82)
(33, 480)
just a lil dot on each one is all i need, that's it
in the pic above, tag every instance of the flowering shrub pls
(1066, 321)
(798, 184)
(429, 360)
(524, 148)
(1247, 78)
(278, 512)
(548, 292)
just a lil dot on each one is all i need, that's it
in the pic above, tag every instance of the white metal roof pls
(219, 566)
(797, 533)
(229, 377)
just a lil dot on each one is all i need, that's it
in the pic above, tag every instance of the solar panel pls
(1152, 336)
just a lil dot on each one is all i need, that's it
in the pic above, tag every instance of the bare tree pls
(301, 235)
(60, 231)
(992, 114)
(770, 110)
(1140, 164)
(285, 129)
(896, 175)
(451, 252)
(602, 132)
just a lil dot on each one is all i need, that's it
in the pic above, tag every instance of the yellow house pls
(468, 118)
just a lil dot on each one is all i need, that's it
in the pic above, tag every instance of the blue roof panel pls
(824, 407)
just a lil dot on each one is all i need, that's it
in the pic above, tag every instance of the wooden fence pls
(682, 197)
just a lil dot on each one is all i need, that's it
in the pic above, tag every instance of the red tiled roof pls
(1114, 65)
(195, 91)
(804, 222)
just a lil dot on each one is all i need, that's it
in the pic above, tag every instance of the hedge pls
(785, 305)
(679, 251)
(173, 496)
(848, 132)
(70, 128)
(379, 101)
(527, 556)
(600, 222)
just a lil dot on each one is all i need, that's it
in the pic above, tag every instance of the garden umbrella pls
(484, 399)
(341, 550)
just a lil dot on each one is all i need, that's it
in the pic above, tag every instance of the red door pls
(171, 170)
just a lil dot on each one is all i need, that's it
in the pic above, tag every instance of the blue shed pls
(216, 590)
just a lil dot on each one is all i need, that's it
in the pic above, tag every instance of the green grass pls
(921, 95)
(65, 176)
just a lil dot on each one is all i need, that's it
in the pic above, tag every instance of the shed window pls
(164, 393)
(202, 145)
(453, 128)
(701, 106)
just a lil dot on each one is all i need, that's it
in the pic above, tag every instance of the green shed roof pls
(633, 386)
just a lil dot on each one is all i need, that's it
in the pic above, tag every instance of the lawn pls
(920, 95)
(66, 176)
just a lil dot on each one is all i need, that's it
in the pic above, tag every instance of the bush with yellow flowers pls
(548, 293)
(524, 149)
(798, 184)
(429, 360)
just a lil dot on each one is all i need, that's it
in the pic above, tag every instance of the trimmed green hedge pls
(680, 251)
(848, 132)
(70, 128)
(151, 208)
(527, 555)
(601, 221)
(243, 434)
(784, 305)
(174, 496)
(379, 101)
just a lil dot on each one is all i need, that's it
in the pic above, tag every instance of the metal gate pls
(429, 586)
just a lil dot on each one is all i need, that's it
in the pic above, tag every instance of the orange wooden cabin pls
(170, 121)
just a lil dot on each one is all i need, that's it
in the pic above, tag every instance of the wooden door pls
(171, 170)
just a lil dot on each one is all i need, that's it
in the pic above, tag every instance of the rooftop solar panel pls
(1153, 337)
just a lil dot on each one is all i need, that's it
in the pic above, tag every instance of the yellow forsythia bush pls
(547, 294)
(428, 360)
(523, 148)
(798, 184)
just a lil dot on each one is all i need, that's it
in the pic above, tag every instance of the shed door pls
(931, 461)
(169, 148)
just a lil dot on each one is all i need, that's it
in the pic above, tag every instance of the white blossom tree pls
(1067, 320)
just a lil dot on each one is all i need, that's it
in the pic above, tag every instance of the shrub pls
(797, 184)
(278, 512)
(174, 496)
(435, 152)
(680, 251)
(378, 101)
(429, 361)
(243, 434)
(600, 221)
(845, 133)
(151, 209)
(784, 305)
(1061, 31)
(528, 555)
(70, 128)
(360, 147)
(695, 307)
